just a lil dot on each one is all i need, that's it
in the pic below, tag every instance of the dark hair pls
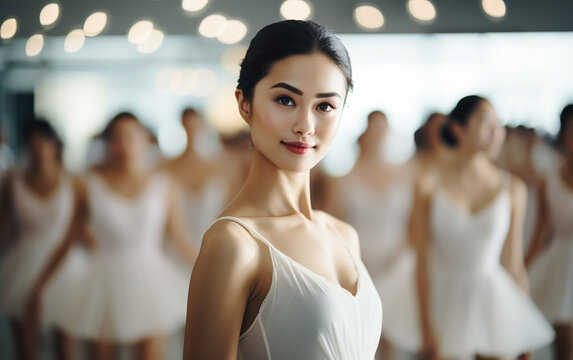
(459, 115)
(45, 130)
(565, 118)
(122, 116)
(282, 39)
(189, 111)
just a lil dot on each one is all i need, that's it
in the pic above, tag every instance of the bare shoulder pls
(227, 243)
(346, 230)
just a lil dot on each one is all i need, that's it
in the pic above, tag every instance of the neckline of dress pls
(473, 213)
(125, 198)
(44, 200)
(330, 283)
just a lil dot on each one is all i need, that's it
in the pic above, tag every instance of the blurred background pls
(78, 63)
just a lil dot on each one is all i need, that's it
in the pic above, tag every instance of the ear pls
(244, 106)
(457, 130)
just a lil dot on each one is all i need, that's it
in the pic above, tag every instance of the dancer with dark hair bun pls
(37, 203)
(274, 277)
(467, 226)
(131, 293)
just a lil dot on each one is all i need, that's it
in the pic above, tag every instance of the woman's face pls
(296, 110)
(376, 133)
(128, 140)
(42, 148)
(484, 131)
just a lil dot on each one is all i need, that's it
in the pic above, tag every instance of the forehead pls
(314, 72)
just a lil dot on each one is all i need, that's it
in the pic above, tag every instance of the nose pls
(304, 124)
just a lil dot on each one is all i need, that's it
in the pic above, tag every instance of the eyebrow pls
(299, 92)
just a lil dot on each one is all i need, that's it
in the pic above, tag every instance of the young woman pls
(131, 292)
(275, 278)
(37, 204)
(552, 271)
(204, 188)
(376, 198)
(467, 227)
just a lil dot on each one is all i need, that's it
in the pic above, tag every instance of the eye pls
(325, 107)
(285, 100)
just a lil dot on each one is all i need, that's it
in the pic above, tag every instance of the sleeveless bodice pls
(43, 220)
(380, 218)
(469, 242)
(306, 316)
(128, 223)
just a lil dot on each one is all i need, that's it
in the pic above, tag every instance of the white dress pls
(306, 316)
(203, 207)
(131, 289)
(476, 306)
(41, 226)
(552, 273)
(381, 220)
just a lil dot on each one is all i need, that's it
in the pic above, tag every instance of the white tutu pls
(127, 297)
(21, 268)
(475, 306)
(41, 225)
(484, 314)
(552, 281)
(131, 290)
(397, 289)
(380, 218)
(552, 273)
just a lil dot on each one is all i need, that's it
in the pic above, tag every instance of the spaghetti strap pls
(251, 231)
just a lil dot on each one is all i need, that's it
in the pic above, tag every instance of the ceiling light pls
(49, 14)
(494, 8)
(74, 41)
(152, 43)
(95, 23)
(369, 17)
(422, 10)
(8, 29)
(193, 5)
(140, 32)
(233, 32)
(212, 25)
(34, 45)
(295, 10)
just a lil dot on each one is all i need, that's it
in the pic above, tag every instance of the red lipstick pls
(297, 147)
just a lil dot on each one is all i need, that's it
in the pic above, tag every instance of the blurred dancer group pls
(469, 243)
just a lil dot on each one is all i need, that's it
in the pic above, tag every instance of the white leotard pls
(306, 316)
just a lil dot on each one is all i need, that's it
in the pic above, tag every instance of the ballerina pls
(275, 278)
(467, 227)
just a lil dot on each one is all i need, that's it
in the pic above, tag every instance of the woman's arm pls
(6, 220)
(79, 216)
(542, 226)
(223, 281)
(512, 253)
(419, 233)
(176, 226)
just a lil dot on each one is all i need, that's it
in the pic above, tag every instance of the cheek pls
(327, 128)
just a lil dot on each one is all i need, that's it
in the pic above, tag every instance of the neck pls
(368, 157)
(46, 169)
(471, 163)
(127, 167)
(274, 192)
